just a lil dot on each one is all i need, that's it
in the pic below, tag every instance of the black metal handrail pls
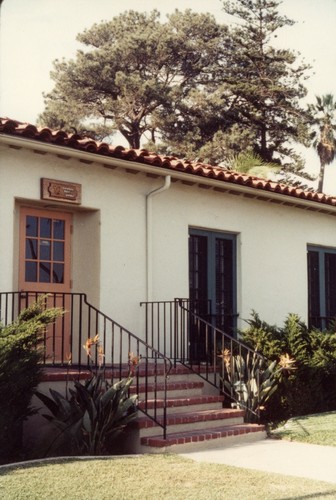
(193, 341)
(64, 341)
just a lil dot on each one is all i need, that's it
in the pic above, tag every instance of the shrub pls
(21, 353)
(311, 387)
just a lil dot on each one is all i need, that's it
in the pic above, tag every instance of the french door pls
(212, 282)
(44, 266)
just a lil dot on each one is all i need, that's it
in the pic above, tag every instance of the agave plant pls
(91, 418)
(250, 381)
(91, 415)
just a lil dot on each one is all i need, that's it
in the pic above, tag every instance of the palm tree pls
(250, 163)
(324, 119)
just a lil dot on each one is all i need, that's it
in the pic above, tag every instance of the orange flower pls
(287, 363)
(101, 356)
(89, 343)
(226, 356)
(133, 360)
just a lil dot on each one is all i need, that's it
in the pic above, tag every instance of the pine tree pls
(132, 73)
(265, 82)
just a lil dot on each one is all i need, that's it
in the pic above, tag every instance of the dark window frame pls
(321, 269)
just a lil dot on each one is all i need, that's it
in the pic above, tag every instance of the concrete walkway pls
(270, 455)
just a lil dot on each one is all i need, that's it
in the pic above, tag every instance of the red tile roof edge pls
(86, 144)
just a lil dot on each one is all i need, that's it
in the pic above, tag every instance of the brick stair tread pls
(59, 373)
(201, 435)
(178, 402)
(189, 418)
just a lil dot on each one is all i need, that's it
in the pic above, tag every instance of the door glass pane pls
(224, 285)
(45, 227)
(58, 251)
(31, 225)
(45, 247)
(314, 312)
(58, 273)
(44, 272)
(58, 229)
(31, 248)
(198, 276)
(31, 272)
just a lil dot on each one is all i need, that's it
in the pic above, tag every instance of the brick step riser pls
(187, 409)
(206, 444)
(192, 426)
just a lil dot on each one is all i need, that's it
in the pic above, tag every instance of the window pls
(321, 286)
(44, 250)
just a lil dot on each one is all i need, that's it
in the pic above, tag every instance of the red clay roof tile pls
(74, 141)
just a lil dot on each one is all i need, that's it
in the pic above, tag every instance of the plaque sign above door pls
(55, 190)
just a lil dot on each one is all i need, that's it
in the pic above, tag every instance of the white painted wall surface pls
(109, 239)
(272, 243)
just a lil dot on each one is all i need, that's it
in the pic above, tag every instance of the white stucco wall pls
(109, 238)
(272, 243)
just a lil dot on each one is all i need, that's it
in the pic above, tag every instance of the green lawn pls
(314, 429)
(168, 476)
(150, 477)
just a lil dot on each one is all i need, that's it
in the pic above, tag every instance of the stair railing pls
(64, 341)
(214, 355)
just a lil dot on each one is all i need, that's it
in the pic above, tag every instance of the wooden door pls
(44, 267)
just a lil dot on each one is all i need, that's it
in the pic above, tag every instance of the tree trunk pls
(321, 178)
(133, 139)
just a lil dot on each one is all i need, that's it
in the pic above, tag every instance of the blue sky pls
(36, 32)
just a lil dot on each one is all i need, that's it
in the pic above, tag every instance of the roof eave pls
(218, 185)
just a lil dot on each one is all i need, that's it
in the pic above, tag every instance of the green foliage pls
(133, 71)
(266, 81)
(89, 420)
(311, 386)
(264, 338)
(188, 87)
(323, 121)
(251, 163)
(250, 381)
(21, 354)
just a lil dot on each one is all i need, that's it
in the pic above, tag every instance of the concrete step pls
(197, 420)
(194, 388)
(183, 404)
(180, 373)
(179, 442)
